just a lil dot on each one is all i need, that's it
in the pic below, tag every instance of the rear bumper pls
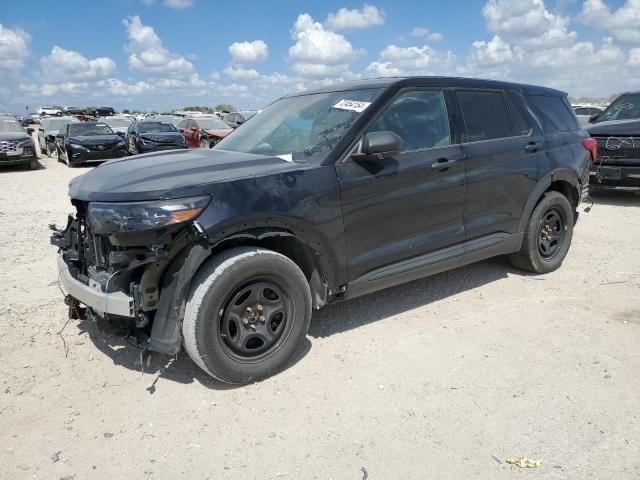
(614, 177)
(92, 295)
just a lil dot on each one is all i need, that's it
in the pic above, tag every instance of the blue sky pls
(162, 54)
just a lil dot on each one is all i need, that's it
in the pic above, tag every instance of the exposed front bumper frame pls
(115, 303)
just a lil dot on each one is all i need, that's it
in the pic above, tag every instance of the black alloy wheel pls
(551, 233)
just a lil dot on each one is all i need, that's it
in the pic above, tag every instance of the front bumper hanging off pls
(92, 295)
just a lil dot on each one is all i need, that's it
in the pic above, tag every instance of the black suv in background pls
(617, 131)
(16, 145)
(326, 195)
(152, 136)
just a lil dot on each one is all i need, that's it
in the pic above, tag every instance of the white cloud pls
(240, 73)
(147, 53)
(419, 32)
(634, 57)
(345, 19)
(249, 52)
(118, 88)
(178, 4)
(63, 65)
(317, 51)
(494, 52)
(527, 23)
(397, 61)
(14, 48)
(435, 37)
(623, 24)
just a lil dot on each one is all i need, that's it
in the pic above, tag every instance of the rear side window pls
(520, 124)
(485, 115)
(554, 112)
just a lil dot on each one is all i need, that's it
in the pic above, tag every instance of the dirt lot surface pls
(442, 378)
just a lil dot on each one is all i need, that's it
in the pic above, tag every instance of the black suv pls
(152, 136)
(326, 195)
(617, 131)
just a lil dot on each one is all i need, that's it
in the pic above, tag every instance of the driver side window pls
(418, 117)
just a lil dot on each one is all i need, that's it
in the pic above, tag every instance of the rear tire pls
(247, 314)
(548, 235)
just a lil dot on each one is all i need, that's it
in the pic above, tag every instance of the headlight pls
(135, 216)
(121, 143)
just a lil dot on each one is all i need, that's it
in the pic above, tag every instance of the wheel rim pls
(551, 233)
(255, 320)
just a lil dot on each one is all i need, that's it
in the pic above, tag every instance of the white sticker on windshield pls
(353, 105)
(288, 158)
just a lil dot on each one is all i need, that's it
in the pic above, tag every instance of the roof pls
(436, 81)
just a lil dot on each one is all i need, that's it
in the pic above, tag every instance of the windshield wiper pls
(327, 141)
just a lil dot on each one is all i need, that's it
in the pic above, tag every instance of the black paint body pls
(364, 225)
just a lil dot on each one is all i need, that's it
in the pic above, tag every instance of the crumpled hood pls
(219, 132)
(616, 127)
(96, 139)
(14, 136)
(168, 137)
(172, 174)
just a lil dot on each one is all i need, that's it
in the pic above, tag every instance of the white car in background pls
(584, 112)
(53, 112)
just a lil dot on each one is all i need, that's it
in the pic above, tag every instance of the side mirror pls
(594, 117)
(377, 144)
(181, 130)
(30, 131)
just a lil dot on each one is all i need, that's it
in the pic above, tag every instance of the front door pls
(411, 203)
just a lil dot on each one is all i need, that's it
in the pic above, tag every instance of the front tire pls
(548, 235)
(247, 314)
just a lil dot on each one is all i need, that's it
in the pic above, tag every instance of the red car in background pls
(203, 132)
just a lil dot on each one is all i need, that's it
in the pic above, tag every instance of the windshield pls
(10, 126)
(81, 129)
(171, 120)
(58, 123)
(301, 128)
(624, 107)
(212, 123)
(117, 122)
(157, 127)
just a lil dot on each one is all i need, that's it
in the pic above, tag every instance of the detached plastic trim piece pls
(118, 303)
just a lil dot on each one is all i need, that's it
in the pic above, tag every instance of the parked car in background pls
(48, 111)
(74, 111)
(118, 124)
(84, 142)
(337, 192)
(32, 119)
(151, 135)
(48, 130)
(585, 112)
(105, 111)
(16, 144)
(172, 119)
(617, 131)
(234, 119)
(203, 131)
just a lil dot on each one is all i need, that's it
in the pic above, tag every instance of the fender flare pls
(543, 185)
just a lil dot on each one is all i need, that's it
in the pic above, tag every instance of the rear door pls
(503, 153)
(405, 205)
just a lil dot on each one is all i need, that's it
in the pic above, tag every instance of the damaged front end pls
(122, 264)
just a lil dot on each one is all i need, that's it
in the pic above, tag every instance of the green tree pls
(224, 107)
(125, 110)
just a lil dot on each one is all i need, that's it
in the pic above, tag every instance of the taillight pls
(591, 146)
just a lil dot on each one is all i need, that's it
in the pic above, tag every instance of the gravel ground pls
(441, 378)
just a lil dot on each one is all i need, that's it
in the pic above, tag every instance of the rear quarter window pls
(555, 113)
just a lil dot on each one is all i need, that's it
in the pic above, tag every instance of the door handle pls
(532, 147)
(443, 164)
